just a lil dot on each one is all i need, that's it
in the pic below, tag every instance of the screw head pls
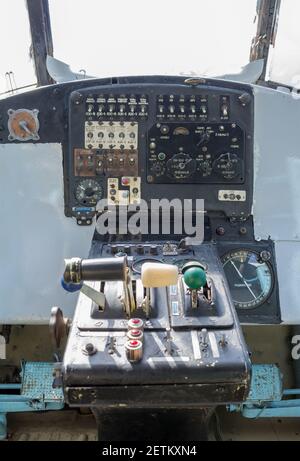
(220, 230)
(89, 349)
(265, 256)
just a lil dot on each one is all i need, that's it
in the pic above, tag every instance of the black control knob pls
(158, 169)
(140, 249)
(154, 249)
(114, 249)
(181, 166)
(245, 99)
(127, 249)
(89, 192)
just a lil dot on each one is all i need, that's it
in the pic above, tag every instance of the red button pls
(135, 332)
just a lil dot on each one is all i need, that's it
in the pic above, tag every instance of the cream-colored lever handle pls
(155, 275)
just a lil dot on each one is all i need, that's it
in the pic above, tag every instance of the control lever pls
(78, 270)
(194, 277)
(157, 275)
(97, 296)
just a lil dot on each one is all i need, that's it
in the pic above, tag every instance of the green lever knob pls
(194, 277)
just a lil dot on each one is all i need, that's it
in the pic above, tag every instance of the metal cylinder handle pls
(100, 269)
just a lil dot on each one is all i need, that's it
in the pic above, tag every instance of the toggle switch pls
(154, 249)
(127, 249)
(140, 249)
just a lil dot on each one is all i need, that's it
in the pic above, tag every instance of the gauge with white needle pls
(250, 280)
(88, 192)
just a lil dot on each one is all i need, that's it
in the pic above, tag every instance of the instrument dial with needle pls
(88, 192)
(23, 125)
(228, 165)
(181, 166)
(250, 279)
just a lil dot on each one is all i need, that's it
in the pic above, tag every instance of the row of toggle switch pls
(181, 107)
(116, 106)
(189, 107)
(134, 249)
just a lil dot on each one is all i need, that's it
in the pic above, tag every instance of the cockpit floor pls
(72, 426)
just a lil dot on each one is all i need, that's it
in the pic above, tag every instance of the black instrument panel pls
(196, 153)
(170, 135)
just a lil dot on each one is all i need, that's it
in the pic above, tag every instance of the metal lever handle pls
(78, 270)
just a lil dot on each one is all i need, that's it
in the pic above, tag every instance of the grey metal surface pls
(250, 73)
(35, 236)
(61, 72)
(288, 262)
(276, 165)
(277, 188)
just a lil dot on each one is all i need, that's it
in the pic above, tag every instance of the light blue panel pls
(266, 383)
(3, 423)
(37, 380)
(35, 235)
(288, 269)
(36, 393)
(266, 398)
(276, 201)
(276, 165)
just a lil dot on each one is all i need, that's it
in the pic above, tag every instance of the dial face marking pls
(250, 280)
(23, 124)
(88, 191)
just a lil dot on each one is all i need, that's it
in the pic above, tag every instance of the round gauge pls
(158, 169)
(88, 191)
(181, 166)
(250, 279)
(23, 124)
(228, 165)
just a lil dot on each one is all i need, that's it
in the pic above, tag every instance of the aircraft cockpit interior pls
(150, 248)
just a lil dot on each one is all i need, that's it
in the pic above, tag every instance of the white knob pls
(155, 275)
